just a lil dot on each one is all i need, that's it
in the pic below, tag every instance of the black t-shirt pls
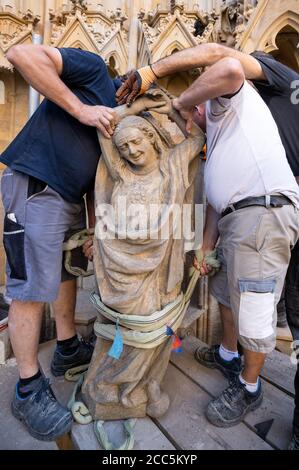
(277, 93)
(53, 146)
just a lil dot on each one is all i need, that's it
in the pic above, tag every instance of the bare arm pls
(41, 67)
(210, 238)
(194, 131)
(206, 55)
(224, 78)
(88, 245)
(199, 56)
(211, 233)
(195, 138)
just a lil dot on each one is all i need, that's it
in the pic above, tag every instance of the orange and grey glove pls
(137, 83)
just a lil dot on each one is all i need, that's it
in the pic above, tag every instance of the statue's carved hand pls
(156, 100)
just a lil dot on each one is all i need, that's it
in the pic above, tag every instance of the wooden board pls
(277, 406)
(148, 435)
(191, 387)
(187, 425)
(279, 370)
(14, 434)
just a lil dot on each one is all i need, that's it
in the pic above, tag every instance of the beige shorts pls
(254, 250)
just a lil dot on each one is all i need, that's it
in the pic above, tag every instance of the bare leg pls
(24, 321)
(253, 365)
(230, 338)
(253, 361)
(64, 310)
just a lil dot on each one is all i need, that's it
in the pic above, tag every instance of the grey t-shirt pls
(245, 155)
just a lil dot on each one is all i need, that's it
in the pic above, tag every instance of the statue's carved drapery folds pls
(141, 177)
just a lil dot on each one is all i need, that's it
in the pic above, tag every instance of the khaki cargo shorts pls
(254, 250)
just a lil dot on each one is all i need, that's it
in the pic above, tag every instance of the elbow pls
(215, 52)
(234, 74)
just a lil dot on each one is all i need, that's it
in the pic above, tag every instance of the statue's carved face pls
(136, 147)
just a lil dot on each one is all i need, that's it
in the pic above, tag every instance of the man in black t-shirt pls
(278, 86)
(51, 165)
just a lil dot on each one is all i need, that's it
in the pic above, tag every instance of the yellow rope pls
(76, 241)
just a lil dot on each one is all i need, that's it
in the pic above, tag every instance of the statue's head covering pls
(138, 122)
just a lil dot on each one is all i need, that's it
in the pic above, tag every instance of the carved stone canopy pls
(96, 30)
(15, 28)
(166, 30)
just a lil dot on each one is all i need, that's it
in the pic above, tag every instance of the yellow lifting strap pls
(76, 241)
(171, 315)
(146, 332)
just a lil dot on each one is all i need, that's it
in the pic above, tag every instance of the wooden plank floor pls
(276, 411)
(191, 387)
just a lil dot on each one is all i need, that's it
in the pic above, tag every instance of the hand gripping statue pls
(141, 186)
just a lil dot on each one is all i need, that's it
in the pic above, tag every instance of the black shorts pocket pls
(13, 241)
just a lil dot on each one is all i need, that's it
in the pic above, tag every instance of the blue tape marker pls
(169, 331)
(118, 345)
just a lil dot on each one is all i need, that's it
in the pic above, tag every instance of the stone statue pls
(234, 18)
(229, 12)
(138, 275)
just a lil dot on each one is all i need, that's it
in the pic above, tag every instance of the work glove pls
(207, 264)
(137, 83)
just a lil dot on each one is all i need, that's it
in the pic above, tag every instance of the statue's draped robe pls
(138, 276)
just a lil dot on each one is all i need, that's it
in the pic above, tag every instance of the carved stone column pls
(134, 8)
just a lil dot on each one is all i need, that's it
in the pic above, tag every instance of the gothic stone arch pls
(267, 41)
(268, 19)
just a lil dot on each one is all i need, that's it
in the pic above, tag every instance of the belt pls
(265, 201)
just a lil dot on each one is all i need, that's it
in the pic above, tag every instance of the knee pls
(21, 310)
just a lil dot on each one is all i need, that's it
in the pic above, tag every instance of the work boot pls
(210, 357)
(41, 413)
(4, 309)
(233, 404)
(294, 444)
(60, 363)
